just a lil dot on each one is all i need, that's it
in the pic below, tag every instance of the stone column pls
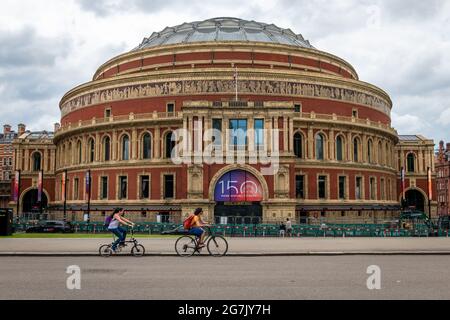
(349, 147)
(364, 146)
(98, 147)
(52, 160)
(268, 134)
(331, 144)
(285, 134)
(251, 138)
(114, 146)
(191, 135)
(84, 148)
(226, 132)
(45, 160)
(157, 143)
(26, 159)
(420, 161)
(275, 127)
(291, 134)
(402, 160)
(310, 140)
(185, 137)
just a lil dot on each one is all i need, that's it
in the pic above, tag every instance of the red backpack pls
(187, 223)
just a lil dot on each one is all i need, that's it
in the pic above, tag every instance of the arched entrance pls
(414, 198)
(30, 202)
(238, 195)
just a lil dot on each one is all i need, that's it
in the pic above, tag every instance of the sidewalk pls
(238, 246)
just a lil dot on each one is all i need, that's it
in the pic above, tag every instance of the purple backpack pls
(108, 220)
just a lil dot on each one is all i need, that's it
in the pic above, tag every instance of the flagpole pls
(402, 178)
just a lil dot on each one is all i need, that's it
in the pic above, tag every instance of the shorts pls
(196, 231)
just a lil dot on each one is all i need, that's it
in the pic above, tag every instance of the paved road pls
(240, 245)
(255, 278)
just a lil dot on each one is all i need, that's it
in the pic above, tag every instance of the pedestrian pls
(288, 227)
(282, 229)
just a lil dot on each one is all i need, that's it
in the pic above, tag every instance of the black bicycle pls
(188, 245)
(137, 249)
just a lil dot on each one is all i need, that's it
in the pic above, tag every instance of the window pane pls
(259, 133)
(299, 187)
(339, 149)
(107, 149)
(104, 191)
(355, 150)
(169, 145)
(168, 187)
(238, 132)
(125, 148)
(358, 188)
(146, 146)
(145, 187)
(322, 186)
(123, 188)
(342, 187)
(217, 135)
(298, 148)
(319, 147)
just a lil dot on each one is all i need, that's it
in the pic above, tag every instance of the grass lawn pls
(78, 236)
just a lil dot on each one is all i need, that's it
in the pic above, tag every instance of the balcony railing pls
(336, 118)
(119, 119)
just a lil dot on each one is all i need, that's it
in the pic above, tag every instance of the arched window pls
(320, 144)
(355, 150)
(125, 148)
(146, 146)
(79, 154)
(369, 151)
(91, 150)
(106, 148)
(169, 144)
(339, 149)
(298, 148)
(37, 161)
(410, 162)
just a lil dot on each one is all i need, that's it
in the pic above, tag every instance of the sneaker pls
(201, 245)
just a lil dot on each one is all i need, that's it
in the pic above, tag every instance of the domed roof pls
(224, 29)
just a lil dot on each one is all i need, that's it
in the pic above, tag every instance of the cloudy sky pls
(403, 46)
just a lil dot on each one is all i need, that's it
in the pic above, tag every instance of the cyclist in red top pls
(196, 226)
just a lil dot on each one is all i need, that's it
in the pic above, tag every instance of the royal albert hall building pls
(336, 144)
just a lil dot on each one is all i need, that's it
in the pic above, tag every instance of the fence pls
(269, 230)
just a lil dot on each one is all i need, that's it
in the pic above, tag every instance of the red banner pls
(430, 186)
(16, 186)
(39, 199)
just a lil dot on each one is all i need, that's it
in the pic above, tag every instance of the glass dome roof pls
(224, 29)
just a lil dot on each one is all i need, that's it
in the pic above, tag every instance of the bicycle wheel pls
(217, 246)
(185, 246)
(138, 250)
(105, 250)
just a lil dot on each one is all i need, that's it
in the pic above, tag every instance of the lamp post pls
(64, 182)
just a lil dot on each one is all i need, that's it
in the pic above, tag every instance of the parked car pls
(444, 222)
(51, 227)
